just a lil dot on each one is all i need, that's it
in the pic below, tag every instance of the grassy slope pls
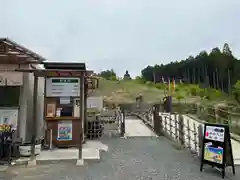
(126, 92)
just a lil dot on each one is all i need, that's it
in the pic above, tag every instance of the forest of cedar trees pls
(218, 69)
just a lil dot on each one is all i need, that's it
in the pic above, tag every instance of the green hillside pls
(125, 91)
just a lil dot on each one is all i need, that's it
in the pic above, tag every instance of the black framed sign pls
(217, 147)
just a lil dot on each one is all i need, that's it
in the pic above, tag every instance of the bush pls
(236, 91)
(179, 97)
(140, 80)
(194, 90)
(160, 86)
(218, 94)
(177, 89)
(113, 78)
(202, 93)
(149, 83)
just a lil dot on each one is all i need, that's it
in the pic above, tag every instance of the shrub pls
(177, 89)
(179, 97)
(160, 86)
(194, 90)
(149, 83)
(202, 93)
(113, 78)
(218, 94)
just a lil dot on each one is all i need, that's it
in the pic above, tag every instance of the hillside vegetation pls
(126, 91)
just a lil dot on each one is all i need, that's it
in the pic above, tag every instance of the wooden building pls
(16, 88)
(63, 114)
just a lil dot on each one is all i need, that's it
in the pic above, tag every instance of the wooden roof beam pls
(22, 49)
(17, 59)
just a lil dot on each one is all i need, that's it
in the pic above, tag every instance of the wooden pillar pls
(34, 116)
(157, 120)
(85, 105)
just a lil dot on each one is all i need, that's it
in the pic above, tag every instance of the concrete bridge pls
(141, 154)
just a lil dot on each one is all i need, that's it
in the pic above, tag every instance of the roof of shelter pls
(65, 65)
(16, 52)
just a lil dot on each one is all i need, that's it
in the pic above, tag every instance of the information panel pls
(64, 131)
(214, 133)
(217, 147)
(62, 87)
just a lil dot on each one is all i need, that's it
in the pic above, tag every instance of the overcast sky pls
(121, 34)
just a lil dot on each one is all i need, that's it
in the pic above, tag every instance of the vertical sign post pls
(34, 115)
(81, 118)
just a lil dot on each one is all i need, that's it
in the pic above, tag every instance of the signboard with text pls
(62, 87)
(217, 147)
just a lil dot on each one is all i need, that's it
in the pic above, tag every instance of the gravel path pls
(142, 158)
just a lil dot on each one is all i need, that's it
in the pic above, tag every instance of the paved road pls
(135, 158)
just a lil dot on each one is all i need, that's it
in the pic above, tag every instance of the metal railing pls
(106, 124)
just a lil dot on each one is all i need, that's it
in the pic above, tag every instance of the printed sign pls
(217, 147)
(9, 116)
(214, 133)
(64, 131)
(11, 78)
(65, 100)
(63, 87)
(213, 154)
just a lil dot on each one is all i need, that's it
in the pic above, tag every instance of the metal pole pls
(34, 116)
(81, 116)
(50, 139)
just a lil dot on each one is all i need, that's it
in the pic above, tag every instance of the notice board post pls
(217, 147)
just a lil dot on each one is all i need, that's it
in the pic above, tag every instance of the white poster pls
(62, 87)
(11, 78)
(215, 133)
(14, 78)
(65, 100)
